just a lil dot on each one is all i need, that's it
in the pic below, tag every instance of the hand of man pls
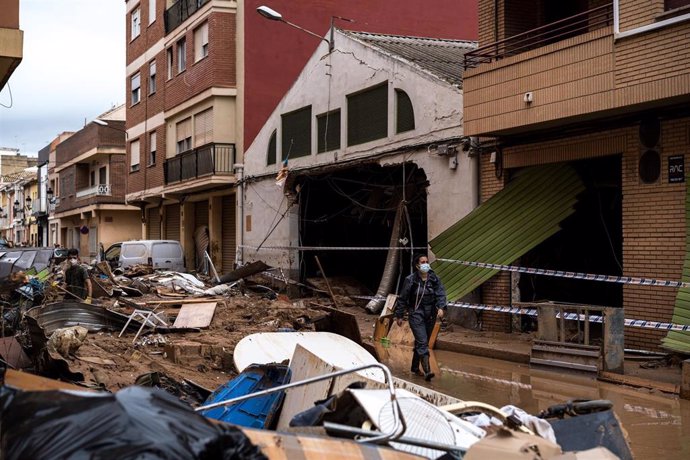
(398, 321)
(441, 312)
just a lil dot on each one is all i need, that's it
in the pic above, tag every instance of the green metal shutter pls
(515, 220)
(367, 115)
(328, 131)
(296, 133)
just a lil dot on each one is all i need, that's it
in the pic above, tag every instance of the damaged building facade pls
(601, 89)
(364, 151)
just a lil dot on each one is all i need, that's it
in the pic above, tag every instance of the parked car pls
(160, 254)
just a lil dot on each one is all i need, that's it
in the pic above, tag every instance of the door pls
(172, 222)
(168, 256)
(153, 224)
(228, 234)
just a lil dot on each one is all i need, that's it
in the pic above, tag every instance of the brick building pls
(87, 189)
(602, 87)
(202, 78)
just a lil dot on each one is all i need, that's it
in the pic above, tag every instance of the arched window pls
(404, 120)
(271, 151)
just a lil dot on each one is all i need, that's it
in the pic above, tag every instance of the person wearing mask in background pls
(424, 298)
(77, 278)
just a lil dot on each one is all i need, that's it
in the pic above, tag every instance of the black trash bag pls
(136, 422)
(341, 408)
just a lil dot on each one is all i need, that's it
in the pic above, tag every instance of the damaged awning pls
(508, 225)
(677, 340)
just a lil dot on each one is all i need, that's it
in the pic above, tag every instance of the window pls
(203, 127)
(152, 77)
(152, 11)
(404, 115)
(328, 131)
(152, 148)
(134, 156)
(136, 23)
(271, 151)
(181, 55)
(184, 135)
(296, 133)
(367, 115)
(673, 4)
(201, 42)
(92, 178)
(103, 175)
(169, 59)
(136, 88)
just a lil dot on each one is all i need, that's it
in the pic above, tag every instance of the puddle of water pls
(658, 425)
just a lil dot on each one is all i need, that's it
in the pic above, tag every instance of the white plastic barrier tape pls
(572, 275)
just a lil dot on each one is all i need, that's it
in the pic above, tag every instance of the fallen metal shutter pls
(153, 224)
(172, 222)
(515, 220)
(228, 234)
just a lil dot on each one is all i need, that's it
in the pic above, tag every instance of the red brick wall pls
(216, 70)
(496, 291)
(149, 35)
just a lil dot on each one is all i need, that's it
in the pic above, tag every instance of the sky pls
(73, 69)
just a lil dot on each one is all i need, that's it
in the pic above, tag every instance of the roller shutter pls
(172, 222)
(200, 214)
(228, 233)
(153, 224)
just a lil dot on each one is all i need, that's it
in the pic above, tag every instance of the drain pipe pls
(239, 172)
(617, 34)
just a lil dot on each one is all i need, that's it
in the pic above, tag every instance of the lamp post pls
(273, 15)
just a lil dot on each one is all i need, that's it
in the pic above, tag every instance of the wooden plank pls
(401, 335)
(181, 301)
(304, 365)
(638, 382)
(434, 334)
(195, 315)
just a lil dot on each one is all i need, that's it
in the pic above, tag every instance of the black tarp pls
(135, 422)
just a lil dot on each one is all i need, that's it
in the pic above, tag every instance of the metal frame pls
(398, 428)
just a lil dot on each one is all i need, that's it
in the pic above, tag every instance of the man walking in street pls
(77, 278)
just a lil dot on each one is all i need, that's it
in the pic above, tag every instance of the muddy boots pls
(428, 375)
(415, 364)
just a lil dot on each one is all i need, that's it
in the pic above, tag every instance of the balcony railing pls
(588, 21)
(180, 11)
(207, 160)
(98, 190)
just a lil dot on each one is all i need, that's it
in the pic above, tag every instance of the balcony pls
(11, 39)
(96, 190)
(582, 23)
(180, 11)
(208, 160)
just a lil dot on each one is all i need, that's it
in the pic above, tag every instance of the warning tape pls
(332, 248)
(572, 275)
(568, 316)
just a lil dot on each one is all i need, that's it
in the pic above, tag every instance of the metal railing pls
(100, 190)
(180, 11)
(588, 21)
(207, 160)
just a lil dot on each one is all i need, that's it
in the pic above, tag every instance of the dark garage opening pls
(357, 207)
(590, 242)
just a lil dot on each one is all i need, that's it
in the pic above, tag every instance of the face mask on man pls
(73, 261)
(424, 268)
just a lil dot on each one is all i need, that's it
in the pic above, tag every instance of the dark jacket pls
(412, 289)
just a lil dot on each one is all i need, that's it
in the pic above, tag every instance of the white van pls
(160, 254)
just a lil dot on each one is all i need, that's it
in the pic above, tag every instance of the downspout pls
(239, 172)
(617, 34)
(375, 305)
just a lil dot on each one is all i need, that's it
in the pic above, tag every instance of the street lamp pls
(28, 203)
(273, 15)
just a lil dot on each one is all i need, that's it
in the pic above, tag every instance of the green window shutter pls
(328, 131)
(271, 151)
(404, 116)
(367, 115)
(296, 133)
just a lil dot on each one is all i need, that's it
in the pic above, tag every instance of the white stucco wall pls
(353, 67)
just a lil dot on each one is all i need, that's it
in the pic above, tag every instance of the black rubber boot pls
(415, 364)
(428, 375)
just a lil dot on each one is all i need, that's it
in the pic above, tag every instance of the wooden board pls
(195, 315)
(276, 347)
(401, 335)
